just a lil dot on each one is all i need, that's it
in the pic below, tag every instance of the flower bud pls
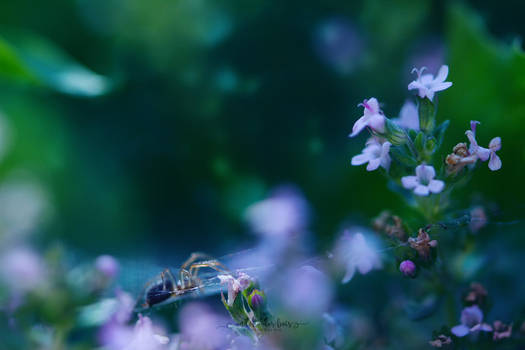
(256, 299)
(394, 134)
(427, 115)
(408, 268)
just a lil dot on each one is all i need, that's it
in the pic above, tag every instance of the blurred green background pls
(149, 126)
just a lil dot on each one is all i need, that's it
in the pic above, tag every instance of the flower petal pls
(429, 93)
(414, 85)
(436, 186)
(483, 153)
(442, 74)
(350, 271)
(377, 122)
(495, 144)
(441, 86)
(473, 124)
(472, 138)
(373, 104)
(421, 190)
(360, 159)
(409, 182)
(373, 164)
(359, 125)
(460, 330)
(425, 173)
(494, 162)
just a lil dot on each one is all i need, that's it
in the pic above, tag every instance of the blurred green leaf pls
(37, 60)
(11, 66)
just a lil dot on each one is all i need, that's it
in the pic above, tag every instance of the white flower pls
(408, 116)
(427, 84)
(471, 322)
(355, 253)
(484, 153)
(375, 153)
(372, 117)
(235, 285)
(423, 183)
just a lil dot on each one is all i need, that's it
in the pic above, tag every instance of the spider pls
(165, 286)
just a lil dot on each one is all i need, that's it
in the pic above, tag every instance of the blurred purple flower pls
(427, 85)
(408, 268)
(423, 183)
(471, 322)
(285, 212)
(115, 334)
(306, 292)
(372, 117)
(201, 328)
(408, 116)
(478, 219)
(22, 269)
(355, 253)
(107, 265)
(339, 44)
(146, 336)
(375, 154)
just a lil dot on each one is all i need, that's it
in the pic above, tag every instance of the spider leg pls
(212, 264)
(185, 275)
(194, 257)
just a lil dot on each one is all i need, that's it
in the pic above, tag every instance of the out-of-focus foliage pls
(146, 129)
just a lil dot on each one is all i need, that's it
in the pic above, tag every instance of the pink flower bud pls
(408, 268)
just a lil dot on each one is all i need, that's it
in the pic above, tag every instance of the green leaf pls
(38, 61)
(11, 66)
(419, 142)
(440, 132)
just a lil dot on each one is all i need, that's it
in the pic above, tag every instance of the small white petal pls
(430, 94)
(350, 271)
(436, 186)
(442, 73)
(425, 173)
(409, 182)
(421, 190)
(494, 162)
(414, 85)
(359, 125)
(373, 164)
(360, 159)
(441, 86)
